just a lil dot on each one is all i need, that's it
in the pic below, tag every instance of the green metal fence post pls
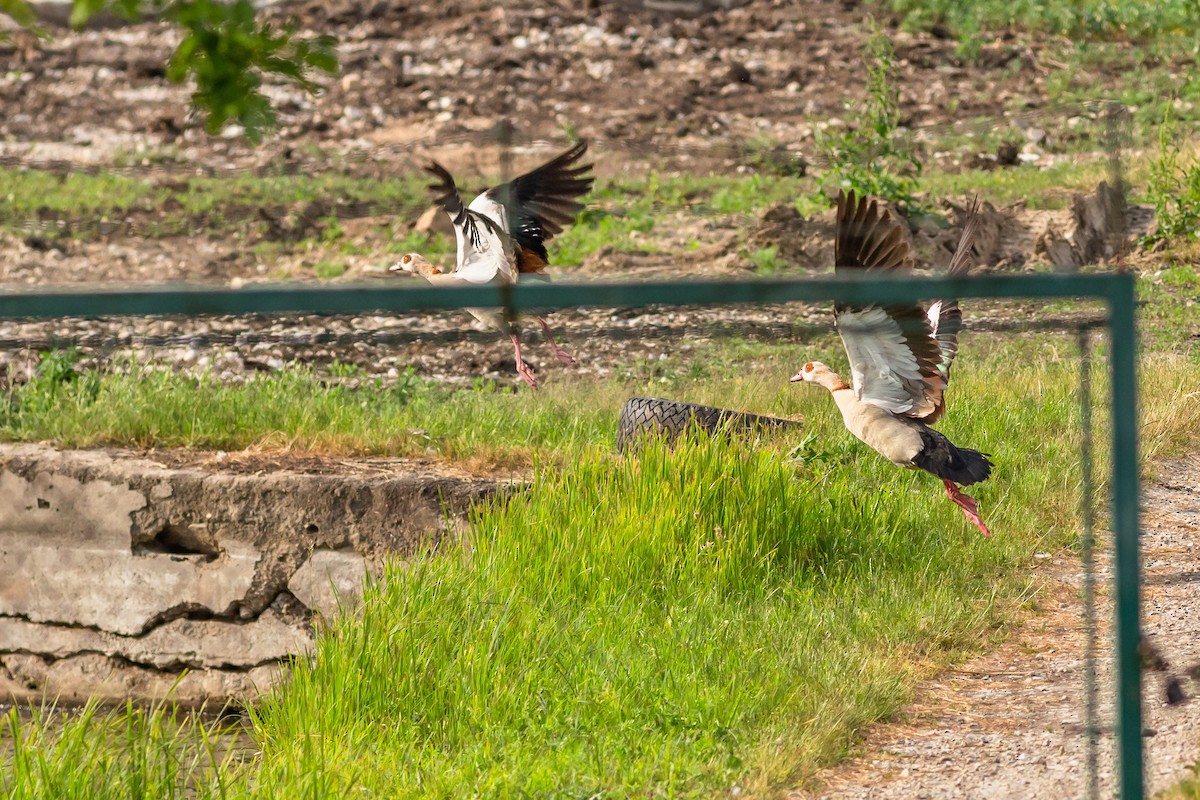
(1125, 531)
(1115, 289)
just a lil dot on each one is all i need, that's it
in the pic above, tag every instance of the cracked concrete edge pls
(201, 535)
(181, 644)
(119, 572)
(92, 676)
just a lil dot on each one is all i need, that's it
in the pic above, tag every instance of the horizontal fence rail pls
(366, 297)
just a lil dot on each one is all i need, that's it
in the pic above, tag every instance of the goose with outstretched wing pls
(900, 356)
(502, 234)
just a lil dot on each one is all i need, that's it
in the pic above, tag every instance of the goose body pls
(892, 437)
(900, 358)
(501, 236)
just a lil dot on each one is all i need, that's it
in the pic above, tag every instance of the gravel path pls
(1009, 724)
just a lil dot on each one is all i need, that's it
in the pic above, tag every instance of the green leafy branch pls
(868, 157)
(226, 51)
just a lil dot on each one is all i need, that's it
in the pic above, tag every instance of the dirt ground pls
(1011, 723)
(432, 72)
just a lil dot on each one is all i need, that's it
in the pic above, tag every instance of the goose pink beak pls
(798, 377)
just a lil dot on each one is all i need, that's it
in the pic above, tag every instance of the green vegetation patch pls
(279, 206)
(1102, 19)
(679, 622)
(131, 752)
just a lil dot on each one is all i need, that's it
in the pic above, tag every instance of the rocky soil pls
(419, 73)
(647, 86)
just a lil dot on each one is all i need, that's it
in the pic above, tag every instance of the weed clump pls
(868, 157)
(1174, 189)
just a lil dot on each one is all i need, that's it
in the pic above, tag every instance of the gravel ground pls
(447, 346)
(420, 72)
(1009, 724)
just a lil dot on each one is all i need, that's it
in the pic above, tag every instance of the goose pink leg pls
(523, 369)
(967, 504)
(563, 355)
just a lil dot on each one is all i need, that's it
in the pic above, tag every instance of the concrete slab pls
(329, 581)
(180, 644)
(112, 561)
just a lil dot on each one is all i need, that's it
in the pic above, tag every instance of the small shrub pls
(1174, 189)
(868, 157)
(329, 269)
(766, 260)
(55, 381)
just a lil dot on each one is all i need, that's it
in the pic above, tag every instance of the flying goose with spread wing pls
(502, 235)
(900, 356)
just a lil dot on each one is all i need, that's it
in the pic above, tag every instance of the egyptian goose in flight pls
(900, 356)
(502, 235)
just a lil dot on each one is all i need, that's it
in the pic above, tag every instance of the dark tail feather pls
(941, 457)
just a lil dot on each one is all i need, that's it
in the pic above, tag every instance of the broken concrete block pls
(68, 558)
(182, 643)
(119, 574)
(330, 580)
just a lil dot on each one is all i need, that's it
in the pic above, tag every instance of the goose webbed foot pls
(968, 505)
(523, 369)
(563, 355)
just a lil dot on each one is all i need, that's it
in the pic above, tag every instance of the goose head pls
(816, 372)
(415, 264)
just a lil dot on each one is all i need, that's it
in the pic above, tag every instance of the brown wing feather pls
(544, 200)
(870, 239)
(960, 262)
(945, 316)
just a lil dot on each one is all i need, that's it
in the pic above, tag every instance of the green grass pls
(300, 411)
(132, 752)
(1100, 19)
(660, 214)
(684, 622)
(1187, 789)
(1091, 45)
(678, 623)
(350, 412)
(633, 216)
(1050, 187)
(327, 270)
(284, 213)
(178, 206)
(675, 623)
(1169, 298)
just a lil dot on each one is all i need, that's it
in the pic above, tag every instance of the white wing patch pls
(934, 312)
(885, 372)
(484, 249)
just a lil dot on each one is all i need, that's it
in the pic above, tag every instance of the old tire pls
(668, 419)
